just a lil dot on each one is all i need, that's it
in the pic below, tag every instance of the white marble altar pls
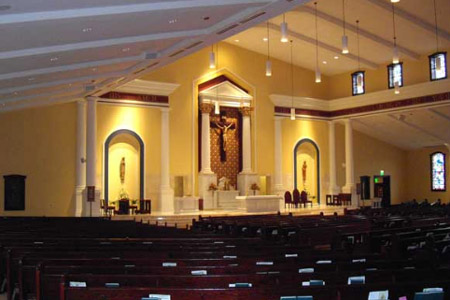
(227, 200)
(261, 203)
(186, 204)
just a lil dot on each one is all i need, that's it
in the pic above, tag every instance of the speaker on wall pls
(14, 192)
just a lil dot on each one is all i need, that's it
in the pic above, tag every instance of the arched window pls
(438, 172)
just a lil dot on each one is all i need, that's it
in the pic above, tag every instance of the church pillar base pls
(91, 209)
(166, 200)
(204, 182)
(279, 189)
(244, 181)
(80, 198)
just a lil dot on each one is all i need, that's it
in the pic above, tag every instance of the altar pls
(227, 200)
(261, 203)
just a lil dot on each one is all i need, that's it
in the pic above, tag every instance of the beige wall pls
(419, 175)
(414, 71)
(40, 144)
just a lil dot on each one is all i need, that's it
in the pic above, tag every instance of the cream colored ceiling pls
(414, 26)
(57, 50)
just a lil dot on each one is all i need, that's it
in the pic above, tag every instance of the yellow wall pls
(414, 72)
(146, 122)
(371, 156)
(419, 175)
(40, 143)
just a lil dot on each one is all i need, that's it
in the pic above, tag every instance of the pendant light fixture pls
(292, 88)
(212, 58)
(359, 79)
(438, 57)
(284, 30)
(318, 75)
(395, 1)
(268, 62)
(396, 88)
(344, 37)
(395, 56)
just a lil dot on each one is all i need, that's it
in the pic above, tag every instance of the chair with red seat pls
(296, 196)
(287, 199)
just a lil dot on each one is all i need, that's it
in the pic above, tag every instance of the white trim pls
(147, 87)
(407, 92)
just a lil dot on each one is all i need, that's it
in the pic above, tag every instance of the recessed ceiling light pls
(336, 57)
(87, 29)
(5, 7)
(94, 69)
(265, 39)
(237, 41)
(173, 21)
(324, 62)
(15, 93)
(125, 49)
(31, 78)
(54, 59)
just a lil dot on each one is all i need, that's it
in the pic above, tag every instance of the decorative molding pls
(246, 111)
(134, 99)
(146, 87)
(206, 108)
(216, 81)
(422, 94)
(225, 92)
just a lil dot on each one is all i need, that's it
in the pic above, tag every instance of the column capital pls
(246, 111)
(92, 98)
(81, 101)
(206, 108)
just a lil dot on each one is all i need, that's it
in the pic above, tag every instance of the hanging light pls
(318, 76)
(344, 36)
(212, 58)
(359, 78)
(284, 31)
(438, 60)
(395, 1)
(292, 88)
(396, 87)
(395, 56)
(268, 62)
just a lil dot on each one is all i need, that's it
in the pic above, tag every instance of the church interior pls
(316, 133)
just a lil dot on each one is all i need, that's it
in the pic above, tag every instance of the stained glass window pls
(438, 65)
(395, 74)
(358, 83)
(438, 171)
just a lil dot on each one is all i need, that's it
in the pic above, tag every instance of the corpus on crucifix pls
(222, 127)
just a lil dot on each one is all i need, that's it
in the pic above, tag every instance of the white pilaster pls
(333, 189)
(91, 156)
(278, 184)
(206, 141)
(166, 192)
(80, 183)
(246, 145)
(349, 187)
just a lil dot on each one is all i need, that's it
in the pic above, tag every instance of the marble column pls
(246, 140)
(247, 177)
(278, 180)
(80, 183)
(166, 192)
(206, 176)
(206, 140)
(91, 156)
(333, 189)
(349, 187)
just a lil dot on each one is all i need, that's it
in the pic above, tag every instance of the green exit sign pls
(376, 180)
(381, 172)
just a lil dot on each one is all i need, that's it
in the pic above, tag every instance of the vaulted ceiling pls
(415, 31)
(55, 50)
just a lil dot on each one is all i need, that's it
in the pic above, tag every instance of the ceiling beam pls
(94, 12)
(380, 133)
(373, 37)
(307, 39)
(418, 128)
(439, 114)
(100, 43)
(65, 68)
(411, 18)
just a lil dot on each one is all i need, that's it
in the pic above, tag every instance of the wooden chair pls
(145, 207)
(329, 199)
(107, 210)
(296, 196)
(124, 207)
(345, 199)
(304, 199)
(287, 199)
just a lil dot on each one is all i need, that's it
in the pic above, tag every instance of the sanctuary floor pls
(182, 220)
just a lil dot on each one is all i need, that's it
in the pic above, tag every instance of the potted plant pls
(254, 187)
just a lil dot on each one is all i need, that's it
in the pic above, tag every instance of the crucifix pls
(222, 127)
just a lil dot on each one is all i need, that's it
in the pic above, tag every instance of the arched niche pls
(128, 144)
(306, 150)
